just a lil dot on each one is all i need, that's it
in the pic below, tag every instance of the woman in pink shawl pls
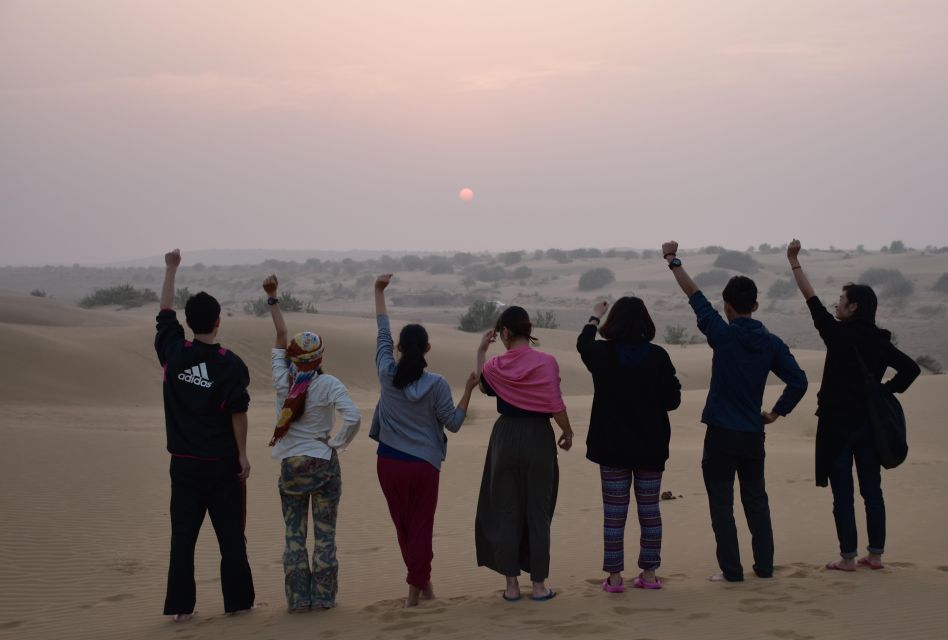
(521, 475)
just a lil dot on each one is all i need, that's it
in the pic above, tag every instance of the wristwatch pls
(272, 301)
(594, 319)
(674, 262)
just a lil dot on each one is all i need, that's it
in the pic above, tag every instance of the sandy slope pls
(84, 532)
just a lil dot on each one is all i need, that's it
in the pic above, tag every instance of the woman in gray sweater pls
(414, 409)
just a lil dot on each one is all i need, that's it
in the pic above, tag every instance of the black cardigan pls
(841, 402)
(634, 389)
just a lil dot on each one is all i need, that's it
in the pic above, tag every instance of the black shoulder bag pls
(886, 418)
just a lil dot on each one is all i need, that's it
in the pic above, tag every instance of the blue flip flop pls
(549, 595)
(504, 596)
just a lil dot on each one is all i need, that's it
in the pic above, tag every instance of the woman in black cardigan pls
(843, 432)
(635, 388)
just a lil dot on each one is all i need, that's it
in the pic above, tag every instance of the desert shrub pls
(897, 246)
(596, 279)
(481, 315)
(941, 285)
(676, 334)
(931, 310)
(257, 307)
(181, 297)
(782, 289)
(929, 363)
(463, 259)
(650, 254)
(582, 254)
(485, 273)
(510, 258)
(124, 295)
(545, 320)
(311, 308)
(438, 265)
(523, 271)
(715, 277)
(712, 250)
(558, 255)
(467, 282)
(38, 293)
(290, 303)
(891, 282)
(736, 261)
(412, 263)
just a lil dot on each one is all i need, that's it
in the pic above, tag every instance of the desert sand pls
(84, 531)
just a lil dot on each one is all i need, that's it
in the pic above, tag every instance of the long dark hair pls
(866, 301)
(628, 321)
(412, 343)
(517, 321)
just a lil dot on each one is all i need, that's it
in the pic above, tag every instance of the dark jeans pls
(199, 487)
(859, 447)
(727, 452)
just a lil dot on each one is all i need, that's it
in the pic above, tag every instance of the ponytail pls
(412, 343)
(516, 320)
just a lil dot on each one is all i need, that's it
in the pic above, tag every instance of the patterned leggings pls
(616, 483)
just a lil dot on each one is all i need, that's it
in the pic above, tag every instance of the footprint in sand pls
(118, 597)
(759, 605)
(942, 568)
(900, 565)
(13, 624)
(821, 613)
(700, 615)
(789, 634)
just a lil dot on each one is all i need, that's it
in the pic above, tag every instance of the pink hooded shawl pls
(527, 379)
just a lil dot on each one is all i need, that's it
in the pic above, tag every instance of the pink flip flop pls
(613, 588)
(865, 562)
(639, 583)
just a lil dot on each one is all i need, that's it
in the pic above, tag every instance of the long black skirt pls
(517, 498)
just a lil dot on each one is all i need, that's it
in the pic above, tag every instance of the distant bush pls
(545, 320)
(676, 334)
(288, 302)
(463, 259)
(558, 255)
(941, 285)
(311, 308)
(736, 261)
(712, 250)
(485, 273)
(439, 265)
(521, 272)
(715, 277)
(929, 363)
(412, 263)
(38, 293)
(582, 254)
(181, 297)
(510, 258)
(596, 279)
(891, 282)
(897, 246)
(125, 296)
(782, 289)
(481, 315)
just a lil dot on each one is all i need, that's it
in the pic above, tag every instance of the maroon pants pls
(411, 490)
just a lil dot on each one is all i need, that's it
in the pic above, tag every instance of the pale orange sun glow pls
(466, 194)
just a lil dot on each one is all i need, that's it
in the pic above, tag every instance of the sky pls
(128, 127)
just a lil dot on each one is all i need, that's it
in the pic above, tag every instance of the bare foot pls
(871, 560)
(242, 611)
(843, 564)
(428, 592)
(718, 577)
(181, 617)
(413, 594)
(512, 592)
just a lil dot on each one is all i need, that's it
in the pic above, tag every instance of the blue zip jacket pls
(744, 354)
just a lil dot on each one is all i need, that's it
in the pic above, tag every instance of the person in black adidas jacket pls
(206, 401)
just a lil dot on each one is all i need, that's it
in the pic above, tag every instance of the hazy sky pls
(130, 126)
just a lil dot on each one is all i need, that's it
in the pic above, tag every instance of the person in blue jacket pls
(745, 353)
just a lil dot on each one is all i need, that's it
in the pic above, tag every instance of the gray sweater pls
(412, 420)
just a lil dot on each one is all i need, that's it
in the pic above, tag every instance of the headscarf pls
(305, 353)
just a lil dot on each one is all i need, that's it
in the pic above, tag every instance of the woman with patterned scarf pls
(307, 400)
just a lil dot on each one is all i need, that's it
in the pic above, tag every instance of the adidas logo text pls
(196, 375)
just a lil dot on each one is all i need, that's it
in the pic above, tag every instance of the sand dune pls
(84, 533)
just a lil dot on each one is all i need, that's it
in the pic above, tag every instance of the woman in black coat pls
(635, 388)
(854, 344)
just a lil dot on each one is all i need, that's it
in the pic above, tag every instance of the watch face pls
(674, 263)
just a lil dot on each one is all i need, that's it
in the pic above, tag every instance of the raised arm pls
(670, 253)
(487, 339)
(172, 260)
(380, 283)
(803, 283)
(586, 342)
(451, 417)
(270, 285)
